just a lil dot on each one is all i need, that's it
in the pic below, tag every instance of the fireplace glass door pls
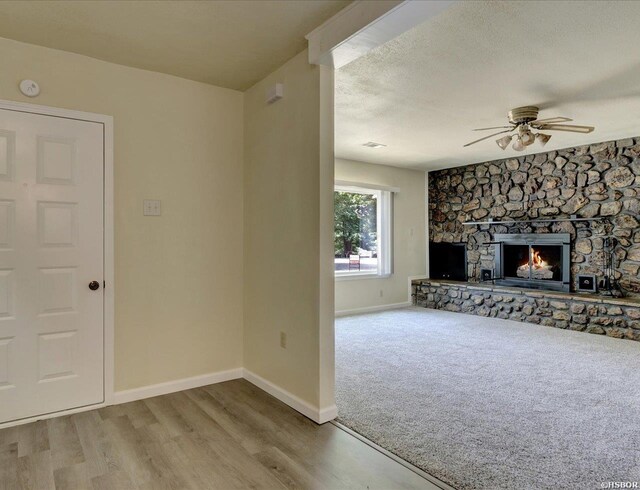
(546, 263)
(515, 256)
(533, 262)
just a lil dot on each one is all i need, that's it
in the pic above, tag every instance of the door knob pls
(93, 285)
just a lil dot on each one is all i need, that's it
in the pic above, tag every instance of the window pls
(362, 234)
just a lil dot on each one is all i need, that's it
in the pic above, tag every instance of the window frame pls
(384, 230)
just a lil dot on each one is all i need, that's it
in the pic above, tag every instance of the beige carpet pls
(492, 404)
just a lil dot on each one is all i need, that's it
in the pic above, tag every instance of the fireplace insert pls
(533, 260)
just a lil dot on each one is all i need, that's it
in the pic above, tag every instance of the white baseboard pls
(134, 394)
(319, 416)
(370, 309)
(173, 386)
(327, 414)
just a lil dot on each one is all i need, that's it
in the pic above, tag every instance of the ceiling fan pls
(523, 120)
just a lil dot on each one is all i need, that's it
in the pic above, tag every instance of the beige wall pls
(288, 156)
(409, 236)
(261, 219)
(178, 277)
(327, 283)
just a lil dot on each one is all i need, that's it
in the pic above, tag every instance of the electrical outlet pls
(381, 293)
(150, 207)
(283, 340)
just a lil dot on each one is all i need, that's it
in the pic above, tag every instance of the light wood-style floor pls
(224, 436)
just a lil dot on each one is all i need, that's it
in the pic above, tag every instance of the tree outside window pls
(355, 223)
(362, 235)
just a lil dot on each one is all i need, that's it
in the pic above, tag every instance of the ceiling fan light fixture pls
(518, 145)
(525, 121)
(543, 138)
(504, 141)
(526, 136)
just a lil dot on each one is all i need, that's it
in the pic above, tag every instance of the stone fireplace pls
(532, 260)
(539, 221)
(540, 194)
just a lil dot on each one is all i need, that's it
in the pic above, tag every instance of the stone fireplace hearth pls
(619, 318)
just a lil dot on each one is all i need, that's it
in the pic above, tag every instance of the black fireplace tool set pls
(609, 285)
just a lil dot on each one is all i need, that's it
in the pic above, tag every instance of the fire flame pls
(536, 260)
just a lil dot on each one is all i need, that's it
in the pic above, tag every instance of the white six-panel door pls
(51, 249)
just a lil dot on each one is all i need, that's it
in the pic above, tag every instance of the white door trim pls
(109, 307)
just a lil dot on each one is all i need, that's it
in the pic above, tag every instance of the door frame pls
(108, 250)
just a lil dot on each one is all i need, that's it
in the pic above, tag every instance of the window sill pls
(355, 276)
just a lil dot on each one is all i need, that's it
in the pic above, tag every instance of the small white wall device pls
(29, 88)
(151, 207)
(275, 93)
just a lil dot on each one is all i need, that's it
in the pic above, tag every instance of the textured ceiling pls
(226, 43)
(422, 93)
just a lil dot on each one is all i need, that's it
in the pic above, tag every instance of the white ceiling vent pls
(373, 144)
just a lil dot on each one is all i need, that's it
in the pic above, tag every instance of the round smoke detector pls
(29, 88)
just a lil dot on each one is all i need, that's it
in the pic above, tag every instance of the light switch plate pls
(151, 207)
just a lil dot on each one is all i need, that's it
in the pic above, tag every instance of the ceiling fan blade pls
(566, 127)
(551, 120)
(495, 127)
(487, 137)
